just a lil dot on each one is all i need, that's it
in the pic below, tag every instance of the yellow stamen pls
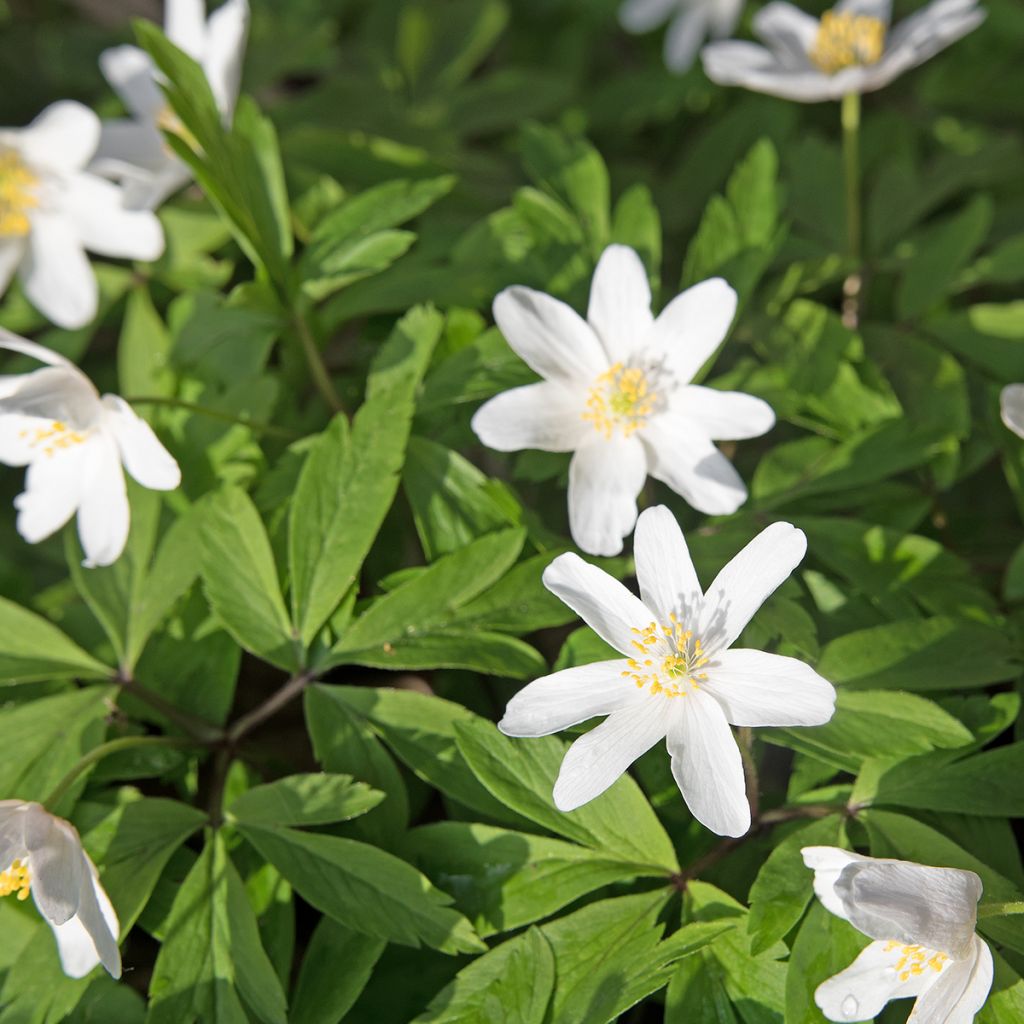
(16, 879)
(678, 673)
(56, 437)
(847, 40)
(620, 398)
(17, 195)
(914, 959)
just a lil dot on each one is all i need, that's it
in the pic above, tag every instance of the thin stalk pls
(104, 750)
(850, 118)
(216, 414)
(198, 729)
(1000, 909)
(317, 369)
(292, 689)
(745, 737)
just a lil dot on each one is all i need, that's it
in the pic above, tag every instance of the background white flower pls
(74, 443)
(51, 211)
(678, 679)
(922, 920)
(617, 393)
(42, 855)
(851, 49)
(690, 23)
(133, 150)
(1011, 407)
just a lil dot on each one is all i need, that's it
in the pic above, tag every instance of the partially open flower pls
(851, 49)
(133, 150)
(74, 442)
(690, 22)
(922, 920)
(42, 855)
(1011, 407)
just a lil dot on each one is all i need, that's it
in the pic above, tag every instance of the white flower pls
(133, 150)
(1011, 407)
(617, 393)
(42, 855)
(74, 442)
(679, 679)
(851, 49)
(922, 920)
(51, 211)
(691, 21)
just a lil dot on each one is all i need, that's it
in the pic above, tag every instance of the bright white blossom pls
(617, 393)
(922, 920)
(690, 23)
(1011, 407)
(52, 210)
(74, 442)
(851, 49)
(42, 855)
(133, 150)
(678, 679)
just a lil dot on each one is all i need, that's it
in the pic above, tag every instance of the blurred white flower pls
(851, 49)
(1011, 407)
(51, 211)
(133, 150)
(74, 442)
(679, 679)
(922, 920)
(617, 393)
(690, 23)
(42, 855)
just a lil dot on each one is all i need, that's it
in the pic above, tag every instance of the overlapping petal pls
(140, 449)
(545, 416)
(724, 415)
(664, 570)
(620, 302)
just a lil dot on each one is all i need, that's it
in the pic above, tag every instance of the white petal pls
(567, 698)
(18, 433)
(600, 600)
(683, 39)
(60, 392)
(664, 569)
(546, 416)
(549, 336)
(143, 455)
(12, 251)
(692, 326)
(620, 303)
(892, 899)
(104, 514)
(13, 343)
(96, 209)
(129, 150)
(56, 274)
(185, 25)
(147, 191)
(132, 76)
(880, 9)
(90, 937)
(748, 581)
(707, 766)
(860, 992)
(724, 415)
(788, 31)
(759, 689)
(54, 485)
(681, 455)
(595, 761)
(734, 62)
(55, 852)
(1011, 407)
(827, 863)
(960, 991)
(226, 33)
(63, 137)
(605, 478)
(644, 15)
(724, 16)
(12, 831)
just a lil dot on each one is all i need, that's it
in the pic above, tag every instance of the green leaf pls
(939, 653)
(511, 984)
(143, 349)
(344, 263)
(304, 800)
(522, 773)
(33, 649)
(349, 481)
(211, 955)
(365, 888)
(323, 993)
(636, 223)
(240, 578)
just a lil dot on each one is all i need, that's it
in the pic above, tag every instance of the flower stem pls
(1000, 909)
(199, 731)
(317, 369)
(269, 707)
(216, 414)
(850, 118)
(105, 749)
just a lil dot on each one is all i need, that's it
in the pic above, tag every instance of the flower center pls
(16, 879)
(847, 40)
(55, 437)
(17, 195)
(914, 960)
(676, 674)
(621, 397)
